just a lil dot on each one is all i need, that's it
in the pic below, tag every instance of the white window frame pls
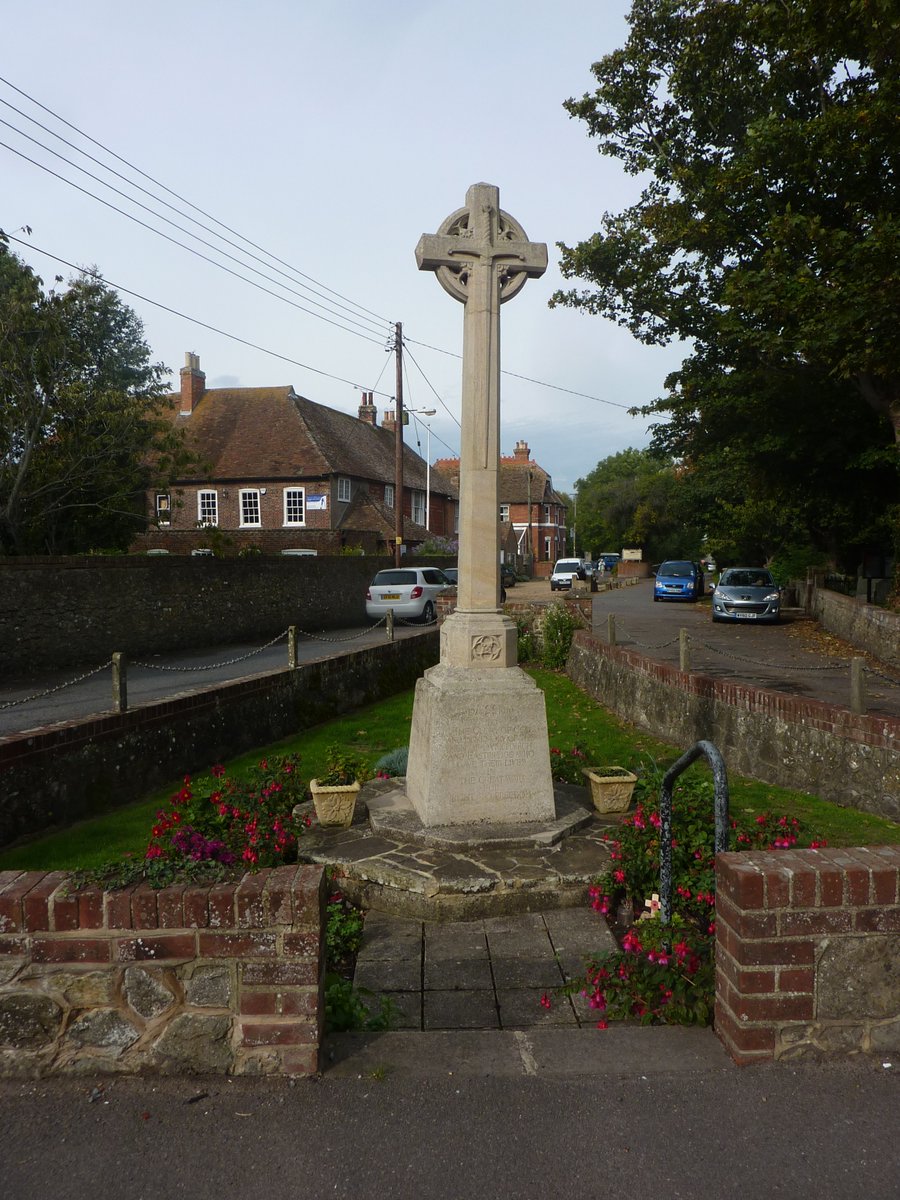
(389, 495)
(163, 508)
(504, 512)
(546, 514)
(548, 548)
(344, 490)
(247, 493)
(417, 509)
(208, 499)
(297, 491)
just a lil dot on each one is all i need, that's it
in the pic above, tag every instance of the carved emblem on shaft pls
(486, 648)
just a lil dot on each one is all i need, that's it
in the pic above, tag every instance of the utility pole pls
(398, 445)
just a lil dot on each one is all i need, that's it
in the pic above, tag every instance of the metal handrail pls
(720, 798)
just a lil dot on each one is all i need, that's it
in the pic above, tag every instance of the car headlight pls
(717, 595)
(771, 596)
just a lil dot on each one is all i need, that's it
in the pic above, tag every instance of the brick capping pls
(808, 952)
(188, 979)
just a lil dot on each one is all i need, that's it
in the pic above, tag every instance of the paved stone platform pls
(399, 874)
(485, 974)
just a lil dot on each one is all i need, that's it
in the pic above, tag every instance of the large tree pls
(767, 231)
(80, 415)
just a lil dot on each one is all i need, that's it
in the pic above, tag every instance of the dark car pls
(678, 579)
(746, 594)
(507, 576)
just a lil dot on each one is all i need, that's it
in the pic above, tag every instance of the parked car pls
(746, 594)
(507, 576)
(410, 591)
(610, 559)
(678, 579)
(452, 574)
(565, 572)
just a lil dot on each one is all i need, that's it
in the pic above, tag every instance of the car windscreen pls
(680, 570)
(567, 564)
(395, 577)
(738, 578)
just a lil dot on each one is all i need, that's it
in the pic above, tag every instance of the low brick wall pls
(790, 741)
(873, 629)
(808, 953)
(54, 776)
(220, 980)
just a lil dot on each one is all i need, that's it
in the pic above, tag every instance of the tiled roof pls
(514, 484)
(365, 513)
(266, 433)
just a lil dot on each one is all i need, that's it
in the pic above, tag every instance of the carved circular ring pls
(455, 280)
(486, 648)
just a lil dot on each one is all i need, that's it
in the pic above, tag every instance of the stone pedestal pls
(478, 748)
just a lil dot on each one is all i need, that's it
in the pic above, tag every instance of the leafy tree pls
(766, 235)
(635, 498)
(80, 415)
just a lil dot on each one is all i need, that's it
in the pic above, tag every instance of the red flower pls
(546, 1002)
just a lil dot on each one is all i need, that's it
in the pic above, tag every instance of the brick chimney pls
(521, 452)
(389, 421)
(193, 383)
(367, 410)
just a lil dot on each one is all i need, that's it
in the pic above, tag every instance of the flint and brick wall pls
(222, 979)
(808, 953)
(874, 629)
(57, 613)
(54, 776)
(790, 741)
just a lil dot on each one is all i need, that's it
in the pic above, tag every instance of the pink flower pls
(546, 1002)
(603, 1024)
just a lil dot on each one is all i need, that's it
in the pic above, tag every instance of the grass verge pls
(573, 718)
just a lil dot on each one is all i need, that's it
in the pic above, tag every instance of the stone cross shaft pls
(482, 257)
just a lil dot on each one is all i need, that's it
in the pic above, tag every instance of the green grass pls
(573, 718)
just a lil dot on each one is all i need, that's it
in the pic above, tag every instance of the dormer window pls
(343, 490)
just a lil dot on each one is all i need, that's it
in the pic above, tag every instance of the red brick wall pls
(134, 980)
(808, 953)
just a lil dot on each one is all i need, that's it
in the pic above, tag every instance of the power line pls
(196, 321)
(167, 237)
(187, 216)
(184, 200)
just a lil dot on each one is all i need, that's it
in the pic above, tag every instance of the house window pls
(389, 495)
(208, 508)
(418, 507)
(343, 490)
(163, 508)
(294, 509)
(250, 506)
(504, 512)
(548, 548)
(546, 514)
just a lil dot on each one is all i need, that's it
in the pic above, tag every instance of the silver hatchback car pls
(746, 594)
(410, 591)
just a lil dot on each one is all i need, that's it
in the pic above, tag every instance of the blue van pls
(678, 580)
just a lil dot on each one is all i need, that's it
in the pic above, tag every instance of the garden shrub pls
(557, 632)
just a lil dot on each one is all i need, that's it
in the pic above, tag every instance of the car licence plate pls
(390, 595)
(746, 616)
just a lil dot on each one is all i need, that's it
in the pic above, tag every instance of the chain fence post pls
(684, 651)
(611, 628)
(120, 682)
(858, 698)
(292, 647)
(389, 624)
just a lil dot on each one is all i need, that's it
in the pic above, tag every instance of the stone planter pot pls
(611, 788)
(334, 804)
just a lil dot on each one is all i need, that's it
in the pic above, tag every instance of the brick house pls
(530, 508)
(282, 472)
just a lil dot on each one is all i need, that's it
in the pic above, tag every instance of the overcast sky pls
(331, 135)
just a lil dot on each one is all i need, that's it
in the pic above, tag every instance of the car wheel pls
(428, 614)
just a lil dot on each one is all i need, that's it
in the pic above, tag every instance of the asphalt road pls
(726, 1133)
(790, 657)
(168, 675)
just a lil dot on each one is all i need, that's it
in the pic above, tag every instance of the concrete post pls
(611, 629)
(858, 698)
(120, 682)
(684, 651)
(292, 647)
(389, 624)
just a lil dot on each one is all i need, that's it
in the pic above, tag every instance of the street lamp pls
(426, 412)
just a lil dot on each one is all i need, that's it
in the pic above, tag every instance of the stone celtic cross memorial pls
(478, 749)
